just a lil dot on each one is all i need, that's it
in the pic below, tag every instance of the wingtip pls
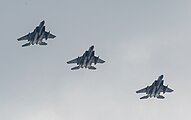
(53, 36)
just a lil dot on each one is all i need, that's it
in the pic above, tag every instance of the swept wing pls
(49, 35)
(169, 90)
(144, 90)
(98, 60)
(73, 61)
(26, 37)
(165, 89)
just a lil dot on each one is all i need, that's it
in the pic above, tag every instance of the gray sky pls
(139, 39)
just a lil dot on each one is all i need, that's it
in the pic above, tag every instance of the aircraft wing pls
(142, 90)
(73, 61)
(165, 89)
(98, 60)
(23, 38)
(49, 35)
(169, 90)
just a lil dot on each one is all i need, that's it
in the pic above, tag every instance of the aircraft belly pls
(153, 92)
(159, 90)
(90, 62)
(40, 38)
(85, 61)
(90, 55)
(35, 39)
(40, 32)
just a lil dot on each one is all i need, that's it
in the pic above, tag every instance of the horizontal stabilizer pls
(91, 68)
(75, 68)
(144, 97)
(27, 44)
(160, 97)
(42, 43)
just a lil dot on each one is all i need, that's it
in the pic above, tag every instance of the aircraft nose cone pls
(43, 22)
(161, 76)
(92, 47)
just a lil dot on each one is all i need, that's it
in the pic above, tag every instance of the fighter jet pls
(37, 36)
(155, 89)
(86, 60)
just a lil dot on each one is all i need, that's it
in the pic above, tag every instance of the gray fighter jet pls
(86, 60)
(37, 36)
(155, 89)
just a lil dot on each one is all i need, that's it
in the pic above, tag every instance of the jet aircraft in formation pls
(37, 36)
(155, 89)
(86, 60)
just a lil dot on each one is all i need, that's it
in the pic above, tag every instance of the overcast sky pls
(138, 39)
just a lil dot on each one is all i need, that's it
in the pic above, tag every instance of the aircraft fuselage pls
(38, 34)
(87, 58)
(155, 88)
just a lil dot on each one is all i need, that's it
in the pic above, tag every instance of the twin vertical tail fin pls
(27, 44)
(75, 68)
(144, 97)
